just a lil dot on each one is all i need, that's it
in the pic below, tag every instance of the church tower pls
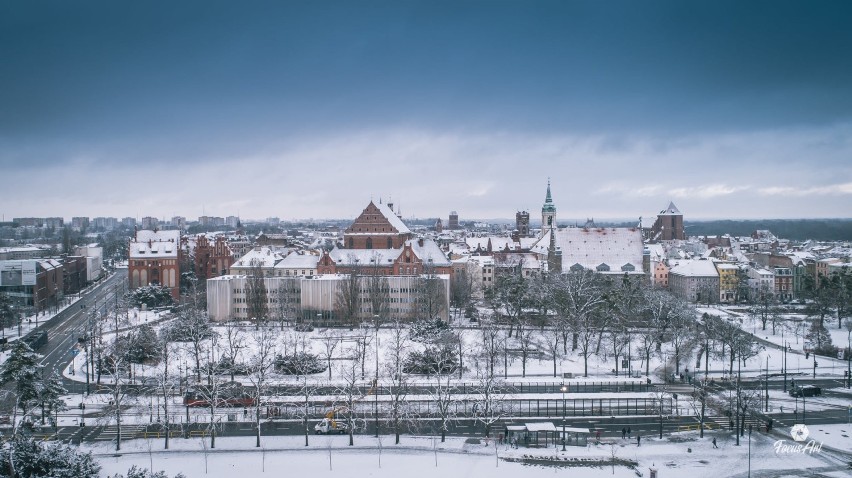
(548, 212)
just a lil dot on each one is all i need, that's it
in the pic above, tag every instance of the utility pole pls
(766, 383)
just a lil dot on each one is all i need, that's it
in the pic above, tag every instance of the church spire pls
(548, 211)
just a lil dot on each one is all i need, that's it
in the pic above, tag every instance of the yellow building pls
(727, 281)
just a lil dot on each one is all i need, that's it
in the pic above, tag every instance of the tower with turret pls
(548, 212)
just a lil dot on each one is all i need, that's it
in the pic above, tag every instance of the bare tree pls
(119, 389)
(330, 341)
(235, 342)
(463, 287)
(395, 381)
(286, 299)
(257, 298)
(260, 367)
(307, 389)
(165, 384)
(348, 300)
(378, 290)
(492, 343)
(215, 392)
(510, 296)
(193, 328)
(442, 392)
(580, 298)
(490, 405)
(681, 329)
(349, 394)
(431, 294)
(764, 305)
(525, 338)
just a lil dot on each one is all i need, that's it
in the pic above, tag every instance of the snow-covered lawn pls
(837, 436)
(683, 455)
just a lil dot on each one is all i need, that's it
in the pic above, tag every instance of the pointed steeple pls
(548, 211)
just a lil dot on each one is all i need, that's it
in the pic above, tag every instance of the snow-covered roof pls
(298, 261)
(155, 244)
(365, 257)
(671, 210)
(263, 256)
(618, 248)
(697, 268)
(392, 218)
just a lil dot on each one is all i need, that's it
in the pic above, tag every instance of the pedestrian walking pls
(714, 443)
(628, 432)
(638, 440)
(623, 433)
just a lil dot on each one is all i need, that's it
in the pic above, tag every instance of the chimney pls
(420, 242)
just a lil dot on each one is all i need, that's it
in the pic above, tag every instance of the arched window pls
(369, 243)
(351, 243)
(390, 243)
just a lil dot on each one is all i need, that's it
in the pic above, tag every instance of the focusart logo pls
(800, 434)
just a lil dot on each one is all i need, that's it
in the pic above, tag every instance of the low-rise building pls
(316, 297)
(695, 281)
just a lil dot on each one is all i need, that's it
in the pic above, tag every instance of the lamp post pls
(766, 384)
(564, 389)
(784, 363)
(749, 451)
(662, 396)
(376, 381)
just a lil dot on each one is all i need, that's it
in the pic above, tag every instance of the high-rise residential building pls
(232, 221)
(54, 222)
(522, 223)
(453, 222)
(178, 222)
(150, 223)
(128, 222)
(79, 223)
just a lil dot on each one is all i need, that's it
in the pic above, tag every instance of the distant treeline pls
(794, 229)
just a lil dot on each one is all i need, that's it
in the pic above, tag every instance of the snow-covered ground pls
(681, 455)
(837, 436)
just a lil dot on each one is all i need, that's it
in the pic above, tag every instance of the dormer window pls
(602, 268)
(628, 267)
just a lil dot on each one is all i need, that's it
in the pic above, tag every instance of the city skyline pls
(730, 109)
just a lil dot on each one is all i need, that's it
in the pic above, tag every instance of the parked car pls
(806, 391)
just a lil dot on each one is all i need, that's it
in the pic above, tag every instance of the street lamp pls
(766, 383)
(376, 382)
(564, 389)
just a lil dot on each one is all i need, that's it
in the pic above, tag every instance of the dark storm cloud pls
(112, 84)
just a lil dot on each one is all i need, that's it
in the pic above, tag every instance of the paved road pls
(65, 327)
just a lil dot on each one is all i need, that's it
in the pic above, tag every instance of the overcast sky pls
(309, 109)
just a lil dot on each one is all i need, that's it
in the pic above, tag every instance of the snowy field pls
(416, 457)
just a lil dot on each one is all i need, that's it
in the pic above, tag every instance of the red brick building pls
(211, 259)
(376, 228)
(154, 258)
(378, 242)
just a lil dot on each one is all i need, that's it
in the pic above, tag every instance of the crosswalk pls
(724, 423)
(110, 432)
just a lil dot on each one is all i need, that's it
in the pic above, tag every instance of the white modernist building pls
(291, 296)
